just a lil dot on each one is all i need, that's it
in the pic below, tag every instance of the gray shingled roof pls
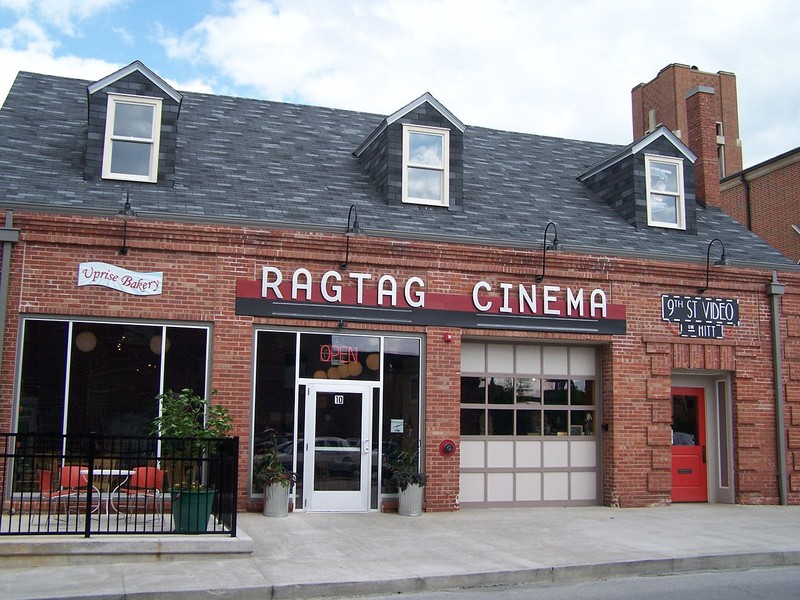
(274, 164)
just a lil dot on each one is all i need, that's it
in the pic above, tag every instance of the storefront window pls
(401, 400)
(114, 374)
(43, 377)
(333, 356)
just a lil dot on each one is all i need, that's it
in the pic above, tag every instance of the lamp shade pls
(373, 362)
(155, 344)
(86, 341)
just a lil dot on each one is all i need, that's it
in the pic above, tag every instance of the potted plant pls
(406, 472)
(187, 422)
(276, 480)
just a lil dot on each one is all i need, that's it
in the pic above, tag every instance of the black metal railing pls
(92, 484)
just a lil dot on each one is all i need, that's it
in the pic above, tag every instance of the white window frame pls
(154, 138)
(679, 196)
(444, 171)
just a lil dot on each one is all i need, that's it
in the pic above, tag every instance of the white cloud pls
(124, 35)
(61, 14)
(564, 69)
(554, 68)
(12, 61)
(27, 45)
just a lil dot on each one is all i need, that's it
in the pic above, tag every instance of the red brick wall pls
(666, 94)
(773, 204)
(701, 138)
(202, 262)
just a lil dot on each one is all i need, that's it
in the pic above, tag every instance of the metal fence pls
(91, 484)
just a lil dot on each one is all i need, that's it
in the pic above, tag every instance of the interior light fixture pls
(723, 261)
(553, 246)
(86, 341)
(126, 212)
(353, 230)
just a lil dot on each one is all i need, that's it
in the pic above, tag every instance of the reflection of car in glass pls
(337, 454)
(389, 450)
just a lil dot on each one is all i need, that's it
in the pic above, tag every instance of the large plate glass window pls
(79, 377)
(132, 138)
(665, 199)
(85, 377)
(425, 165)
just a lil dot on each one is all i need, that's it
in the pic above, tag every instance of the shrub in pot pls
(187, 422)
(276, 480)
(407, 473)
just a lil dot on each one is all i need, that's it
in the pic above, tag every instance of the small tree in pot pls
(410, 478)
(276, 480)
(187, 422)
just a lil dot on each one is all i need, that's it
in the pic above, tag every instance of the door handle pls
(365, 446)
(704, 454)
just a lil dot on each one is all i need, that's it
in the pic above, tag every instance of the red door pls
(689, 474)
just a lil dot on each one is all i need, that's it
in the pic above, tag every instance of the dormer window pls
(132, 138)
(425, 165)
(665, 199)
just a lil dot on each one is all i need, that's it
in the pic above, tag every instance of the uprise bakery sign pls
(382, 298)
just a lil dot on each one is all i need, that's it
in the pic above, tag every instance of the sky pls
(562, 68)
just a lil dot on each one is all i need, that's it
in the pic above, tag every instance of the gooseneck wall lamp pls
(723, 261)
(126, 213)
(353, 230)
(553, 246)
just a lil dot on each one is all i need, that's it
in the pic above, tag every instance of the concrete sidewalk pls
(314, 555)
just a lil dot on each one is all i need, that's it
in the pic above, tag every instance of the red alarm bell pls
(447, 447)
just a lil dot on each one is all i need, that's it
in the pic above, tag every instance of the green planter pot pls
(191, 510)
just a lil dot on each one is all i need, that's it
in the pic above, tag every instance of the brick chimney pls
(702, 139)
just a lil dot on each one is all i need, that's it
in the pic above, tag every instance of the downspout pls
(775, 291)
(748, 209)
(8, 236)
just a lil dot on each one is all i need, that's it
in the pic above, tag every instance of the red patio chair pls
(72, 494)
(144, 488)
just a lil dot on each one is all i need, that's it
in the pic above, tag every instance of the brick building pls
(760, 197)
(764, 199)
(552, 307)
(663, 101)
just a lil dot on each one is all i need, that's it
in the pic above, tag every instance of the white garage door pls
(528, 425)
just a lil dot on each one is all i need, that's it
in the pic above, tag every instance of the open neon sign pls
(329, 353)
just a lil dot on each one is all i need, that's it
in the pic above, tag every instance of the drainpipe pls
(748, 209)
(8, 236)
(775, 291)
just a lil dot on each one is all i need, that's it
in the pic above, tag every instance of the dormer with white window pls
(666, 203)
(650, 183)
(133, 117)
(415, 156)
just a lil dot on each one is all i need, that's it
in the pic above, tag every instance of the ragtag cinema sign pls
(698, 316)
(384, 299)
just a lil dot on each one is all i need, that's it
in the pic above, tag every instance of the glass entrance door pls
(337, 447)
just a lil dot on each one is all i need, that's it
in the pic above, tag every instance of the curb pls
(565, 574)
(562, 574)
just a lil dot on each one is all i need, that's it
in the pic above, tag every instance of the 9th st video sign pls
(700, 317)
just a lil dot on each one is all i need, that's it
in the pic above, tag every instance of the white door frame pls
(719, 431)
(331, 500)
